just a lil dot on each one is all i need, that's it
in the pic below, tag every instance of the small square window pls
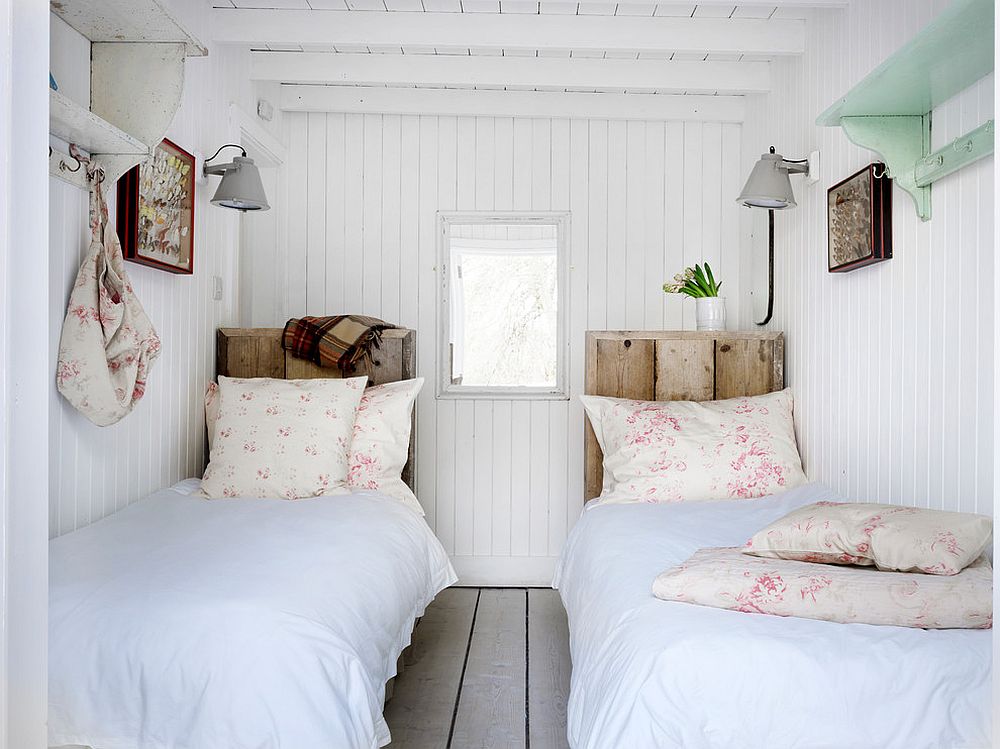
(503, 282)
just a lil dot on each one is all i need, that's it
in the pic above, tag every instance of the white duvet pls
(183, 623)
(651, 674)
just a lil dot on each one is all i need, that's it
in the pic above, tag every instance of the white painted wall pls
(24, 459)
(95, 471)
(502, 480)
(892, 365)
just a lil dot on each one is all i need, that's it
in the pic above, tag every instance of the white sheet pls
(183, 623)
(648, 673)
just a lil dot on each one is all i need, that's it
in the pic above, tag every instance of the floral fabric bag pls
(108, 343)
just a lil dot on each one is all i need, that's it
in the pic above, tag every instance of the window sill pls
(503, 395)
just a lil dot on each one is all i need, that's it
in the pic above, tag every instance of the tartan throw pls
(336, 341)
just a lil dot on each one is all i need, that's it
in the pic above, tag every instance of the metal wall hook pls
(885, 173)
(63, 167)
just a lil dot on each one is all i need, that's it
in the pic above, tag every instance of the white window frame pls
(445, 388)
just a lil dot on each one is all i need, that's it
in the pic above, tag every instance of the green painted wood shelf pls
(889, 111)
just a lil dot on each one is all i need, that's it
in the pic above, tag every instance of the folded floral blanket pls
(730, 579)
(335, 341)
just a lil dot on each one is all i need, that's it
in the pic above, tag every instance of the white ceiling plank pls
(293, 4)
(509, 31)
(428, 70)
(443, 6)
(754, 11)
(560, 7)
(452, 102)
(714, 11)
(518, 6)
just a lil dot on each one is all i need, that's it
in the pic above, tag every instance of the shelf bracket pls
(902, 141)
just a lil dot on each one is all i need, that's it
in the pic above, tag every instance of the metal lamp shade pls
(241, 187)
(768, 185)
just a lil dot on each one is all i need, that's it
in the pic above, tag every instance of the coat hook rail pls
(67, 167)
(961, 152)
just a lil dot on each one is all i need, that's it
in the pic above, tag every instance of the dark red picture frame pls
(873, 185)
(128, 212)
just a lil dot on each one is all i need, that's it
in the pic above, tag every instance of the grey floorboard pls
(491, 708)
(420, 711)
(548, 670)
(488, 668)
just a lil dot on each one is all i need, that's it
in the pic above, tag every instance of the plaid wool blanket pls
(336, 341)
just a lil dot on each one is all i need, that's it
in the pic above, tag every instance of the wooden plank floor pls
(488, 669)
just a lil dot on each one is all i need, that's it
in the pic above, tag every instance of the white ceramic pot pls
(710, 312)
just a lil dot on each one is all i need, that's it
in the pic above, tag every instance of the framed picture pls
(859, 220)
(156, 210)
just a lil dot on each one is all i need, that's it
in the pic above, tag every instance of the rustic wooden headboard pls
(675, 365)
(257, 352)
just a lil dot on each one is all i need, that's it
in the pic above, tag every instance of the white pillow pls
(382, 440)
(282, 438)
(673, 451)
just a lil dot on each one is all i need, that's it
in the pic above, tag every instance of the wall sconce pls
(769, 186)
(241, 187)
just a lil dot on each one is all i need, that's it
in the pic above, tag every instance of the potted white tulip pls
(699, 283)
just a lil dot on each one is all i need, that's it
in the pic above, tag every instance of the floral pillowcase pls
(890, 537)
(729, 579)
(379, 442)
(674, 451)
(281, 438)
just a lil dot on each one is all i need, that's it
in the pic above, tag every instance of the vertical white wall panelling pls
(892, 365)
(24, 374)
(501, 480)
(95, 471)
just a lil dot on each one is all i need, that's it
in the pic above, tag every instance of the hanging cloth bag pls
(108, 343)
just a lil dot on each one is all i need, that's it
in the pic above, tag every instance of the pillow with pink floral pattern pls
(675, 451)
(282, 438)
(381, 442)
(728, 579)
(381, 438)
(890, 537)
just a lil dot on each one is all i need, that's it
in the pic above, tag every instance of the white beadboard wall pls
(96, 471)
(892, 365)
(502, 480)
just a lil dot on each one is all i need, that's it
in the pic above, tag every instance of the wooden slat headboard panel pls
(675, 365)
(257, 352)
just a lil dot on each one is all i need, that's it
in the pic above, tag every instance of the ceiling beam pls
(508, 31)
(453, 102)
(443, 71)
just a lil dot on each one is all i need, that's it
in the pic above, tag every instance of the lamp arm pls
(217, 169)
(770, 268)
(798, 166)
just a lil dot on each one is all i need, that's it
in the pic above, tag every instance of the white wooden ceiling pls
(652, 47)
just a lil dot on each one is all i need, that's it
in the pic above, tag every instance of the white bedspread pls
(648, 673)
(230, 624)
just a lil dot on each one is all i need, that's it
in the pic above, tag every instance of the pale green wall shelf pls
(889, 111)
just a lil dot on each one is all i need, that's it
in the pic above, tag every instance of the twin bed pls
(669, 675)
(232, 623)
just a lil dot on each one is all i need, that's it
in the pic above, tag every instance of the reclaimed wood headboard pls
(667, 365)
(257, 352)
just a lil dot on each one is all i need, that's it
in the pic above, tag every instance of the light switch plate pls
(217, 288)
